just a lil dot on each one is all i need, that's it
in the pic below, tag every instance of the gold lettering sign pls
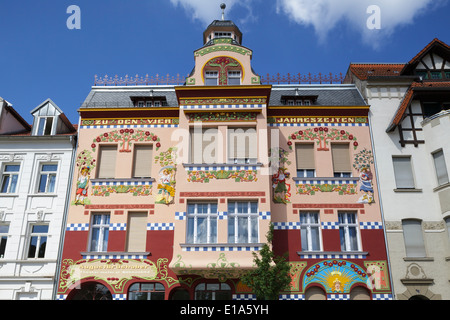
(318, 120)
(113, 271)
(138, 122)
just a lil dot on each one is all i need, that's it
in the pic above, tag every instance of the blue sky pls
(41, 58)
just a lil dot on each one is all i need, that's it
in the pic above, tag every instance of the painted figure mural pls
(166, 182)
(85, 162)
(281, 189)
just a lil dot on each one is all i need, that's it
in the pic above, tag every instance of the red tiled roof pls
(365, 70)
(428, 46)
(409, 95)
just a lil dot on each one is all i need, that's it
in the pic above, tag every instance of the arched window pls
(223, 71)
(91, 291)
(359, 293)
(146, 291)
(315, 293)
(213, 291)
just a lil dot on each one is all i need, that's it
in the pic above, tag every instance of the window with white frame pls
(4, 230)
(243, 222)
(413, 236)
(348, 231)
(404, 178)
(47, 178)
(242, 145)
(310, 231)
(146, 291)
(99, 232)
(37, 241)
(45, 125)
(211, 78)
(234, 78)
(201, 223)
(440, 167)
(10, 177)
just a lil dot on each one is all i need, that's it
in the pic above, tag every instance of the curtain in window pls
(403, 172)
(441, 168)
(107, 165)
(305, 156)
(136, 231)
(341, 157)
(242, 143)
(203, 145)
(413, 236)
(142, 161)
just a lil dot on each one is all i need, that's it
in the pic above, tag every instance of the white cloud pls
(324, 15)
(208, 10)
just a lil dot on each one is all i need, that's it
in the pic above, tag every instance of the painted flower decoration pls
(322, 135)
(125, 138)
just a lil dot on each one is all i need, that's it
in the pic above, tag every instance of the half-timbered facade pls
(409, 115)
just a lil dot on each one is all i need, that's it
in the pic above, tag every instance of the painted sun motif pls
(336, 276)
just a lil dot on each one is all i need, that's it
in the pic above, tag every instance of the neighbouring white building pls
(35, 169)
(410, 121)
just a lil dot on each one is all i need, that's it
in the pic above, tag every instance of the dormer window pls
(222, 34)
(149, 102)
(211, 78)
(298, 100)
(45, 125)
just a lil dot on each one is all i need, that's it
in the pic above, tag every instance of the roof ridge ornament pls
(223, 6)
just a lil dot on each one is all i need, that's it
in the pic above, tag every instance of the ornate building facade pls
(175, 186)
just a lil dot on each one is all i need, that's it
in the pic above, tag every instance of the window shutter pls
(142, 161)
(403, 172)
(412, 233)
(107, 165)
(137, 232)
(341, 157)
(305, 156)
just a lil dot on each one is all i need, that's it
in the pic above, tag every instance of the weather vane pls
(223, 7)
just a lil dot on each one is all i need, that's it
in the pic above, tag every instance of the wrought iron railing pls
(181, 80)
(139, 80)
(303, 78)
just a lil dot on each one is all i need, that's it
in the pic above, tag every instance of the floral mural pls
(322, 135)
(208, 175)
(125, 138)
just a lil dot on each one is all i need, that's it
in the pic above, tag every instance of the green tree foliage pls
(272, 273)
